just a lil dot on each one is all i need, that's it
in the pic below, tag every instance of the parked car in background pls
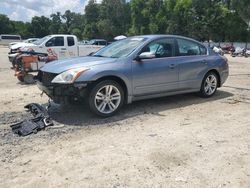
(241, 52)
(30, 40)
(65, 46)
(132, 69)
(98, 42)
(228, 49)
(83, 42)
(6, 39)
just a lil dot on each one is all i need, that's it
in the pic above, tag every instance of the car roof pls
(156, 36)
(61, 35)
(99, 39)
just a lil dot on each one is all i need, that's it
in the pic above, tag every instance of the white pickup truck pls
(65, 46)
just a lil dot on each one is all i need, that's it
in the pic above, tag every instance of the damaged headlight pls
(69, 76)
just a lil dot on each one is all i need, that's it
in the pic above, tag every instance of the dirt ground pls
(179, 141)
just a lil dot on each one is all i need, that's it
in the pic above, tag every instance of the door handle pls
(172, 66)
(63, 49)
(204, 61)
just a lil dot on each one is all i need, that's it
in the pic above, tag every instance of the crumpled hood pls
(60, 66)
(21, 45)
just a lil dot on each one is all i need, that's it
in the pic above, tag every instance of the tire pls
(209, 85)
(100, 98)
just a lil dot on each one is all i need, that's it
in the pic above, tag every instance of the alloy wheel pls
(107, 99)
(210, 84)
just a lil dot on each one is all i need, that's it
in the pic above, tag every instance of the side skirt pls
(137, 98)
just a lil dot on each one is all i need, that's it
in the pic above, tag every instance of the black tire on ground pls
(92, 102)
(203, 90)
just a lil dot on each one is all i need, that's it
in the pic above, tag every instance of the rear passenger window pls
(203, 50)
(71, 41)
(187, 48)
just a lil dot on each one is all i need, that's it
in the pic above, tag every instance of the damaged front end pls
(40, 120)
(60, 93)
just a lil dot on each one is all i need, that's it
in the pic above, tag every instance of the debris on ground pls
(40, 121)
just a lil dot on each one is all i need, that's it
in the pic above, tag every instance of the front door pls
(159, 74)
(57, 44)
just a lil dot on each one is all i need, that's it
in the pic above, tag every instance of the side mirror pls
(146, 55)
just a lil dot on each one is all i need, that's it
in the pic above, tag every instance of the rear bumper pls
(223, 76)
(63, 93)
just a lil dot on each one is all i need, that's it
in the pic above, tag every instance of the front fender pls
(92, 76)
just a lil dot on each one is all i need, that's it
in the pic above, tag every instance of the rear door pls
(193, 62)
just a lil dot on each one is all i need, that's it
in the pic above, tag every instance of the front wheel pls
(106, 98)
(209, 85)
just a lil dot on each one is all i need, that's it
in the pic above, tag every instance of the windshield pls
(120, 48)
(30, 40)
(91, 42)
(40, 41)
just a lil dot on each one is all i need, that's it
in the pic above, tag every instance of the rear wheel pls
(209, 85)
(106, 98)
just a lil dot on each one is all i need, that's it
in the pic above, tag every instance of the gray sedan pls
(132, 69)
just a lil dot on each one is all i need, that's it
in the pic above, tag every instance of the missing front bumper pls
(64, 93)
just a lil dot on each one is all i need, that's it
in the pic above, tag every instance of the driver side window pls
(160, 48)
(55, 41)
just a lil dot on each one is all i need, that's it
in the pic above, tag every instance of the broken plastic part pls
(40, 121)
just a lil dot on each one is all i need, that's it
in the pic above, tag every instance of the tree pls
(207, 19)
(140, 19)
(56, 23)
(175, 17)
(6, 26)
(92, 15)
(217, 20)
(243, 9)
(23, 29)
(73, 23)
(40, 26)
(115, 18)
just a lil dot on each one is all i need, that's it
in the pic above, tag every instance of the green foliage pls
(106, 20)
(56, 23)
(6, 25)
(217, 20)
(242, 7)
(40, 26)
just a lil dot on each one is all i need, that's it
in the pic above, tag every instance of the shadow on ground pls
(71, 118)
(80, 114)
